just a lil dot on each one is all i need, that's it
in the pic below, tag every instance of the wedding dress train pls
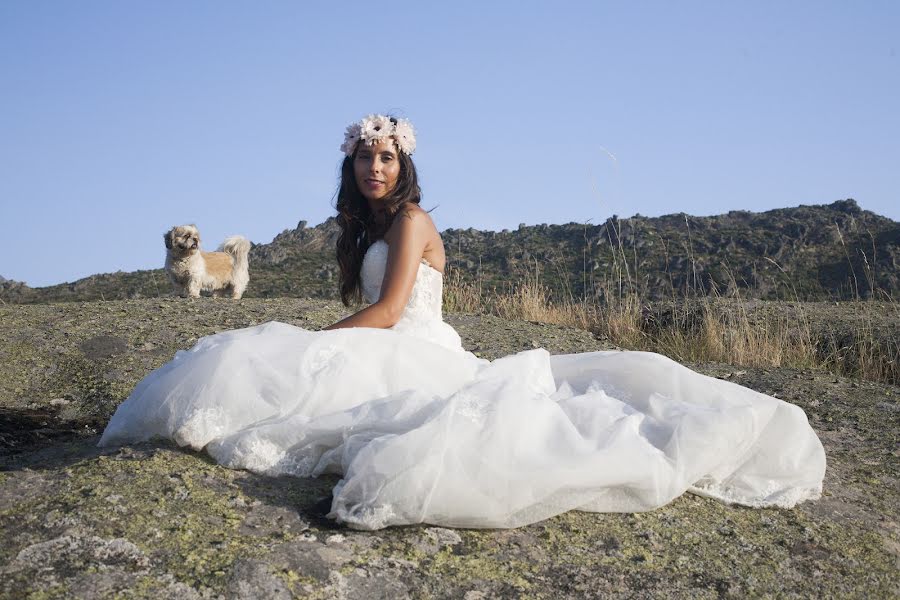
(423, 432)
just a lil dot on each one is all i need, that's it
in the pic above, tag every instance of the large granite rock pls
(156, 521)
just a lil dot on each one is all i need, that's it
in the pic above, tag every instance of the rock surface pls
(157, 521)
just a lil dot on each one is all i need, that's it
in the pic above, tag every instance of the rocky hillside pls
(808, 252)
(155, 521)
(834, 251)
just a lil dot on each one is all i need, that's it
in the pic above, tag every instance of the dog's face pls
(183, 239)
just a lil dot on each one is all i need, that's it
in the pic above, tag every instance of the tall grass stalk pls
(699, 327)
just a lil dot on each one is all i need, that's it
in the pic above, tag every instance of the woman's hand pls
(407, 240)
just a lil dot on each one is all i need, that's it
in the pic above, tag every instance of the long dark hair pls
(360, 227)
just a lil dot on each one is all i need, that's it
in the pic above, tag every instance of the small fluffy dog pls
(191, 270)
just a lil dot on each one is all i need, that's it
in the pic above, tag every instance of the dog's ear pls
(167, 236)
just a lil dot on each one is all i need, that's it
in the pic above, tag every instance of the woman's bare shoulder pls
(412, 218)
(413, 224)
(415, 213)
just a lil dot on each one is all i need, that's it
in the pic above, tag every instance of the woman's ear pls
(167, 236)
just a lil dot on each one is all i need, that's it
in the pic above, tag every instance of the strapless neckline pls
(422, 315)
(424, 260)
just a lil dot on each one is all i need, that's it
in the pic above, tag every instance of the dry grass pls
(729, 335)
(460, 295)
(705, 328)
(697, 324)
(862, 354)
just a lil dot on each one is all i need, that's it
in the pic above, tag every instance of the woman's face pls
(376, 168)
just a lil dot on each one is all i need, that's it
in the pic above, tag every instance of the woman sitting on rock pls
(423, 431)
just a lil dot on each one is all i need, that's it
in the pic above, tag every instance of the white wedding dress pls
(424, 432)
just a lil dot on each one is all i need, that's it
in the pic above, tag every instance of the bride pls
(422, 431)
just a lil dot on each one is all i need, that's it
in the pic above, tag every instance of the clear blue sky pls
(120, 119)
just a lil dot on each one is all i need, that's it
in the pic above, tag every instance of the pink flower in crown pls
(405, 136)
(351, 138)
(376, 128)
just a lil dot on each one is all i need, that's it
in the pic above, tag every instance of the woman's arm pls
(406, 240)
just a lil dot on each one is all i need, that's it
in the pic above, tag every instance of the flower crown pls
(374, 128)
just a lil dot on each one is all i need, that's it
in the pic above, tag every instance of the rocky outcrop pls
(156, 521)
(834, 251)
(291, 242)
(809, 252)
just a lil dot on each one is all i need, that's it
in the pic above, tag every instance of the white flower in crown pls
(351, 138)
(376, 128)
(405, 136)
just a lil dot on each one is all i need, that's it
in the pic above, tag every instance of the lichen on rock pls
(156, 521)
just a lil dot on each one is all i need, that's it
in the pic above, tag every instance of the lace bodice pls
(425, 299)
(422, 315)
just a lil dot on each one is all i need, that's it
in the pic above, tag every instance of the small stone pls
(443, 536)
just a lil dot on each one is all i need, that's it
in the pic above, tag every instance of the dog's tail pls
(239, 248)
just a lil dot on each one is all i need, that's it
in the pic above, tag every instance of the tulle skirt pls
(423, 433)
